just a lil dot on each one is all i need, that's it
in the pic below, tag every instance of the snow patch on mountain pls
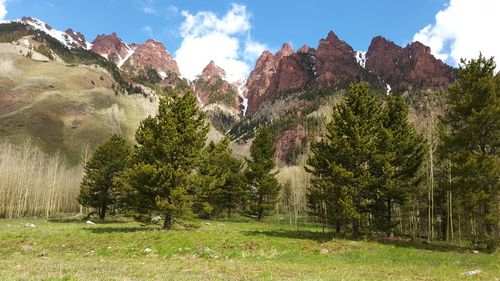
(244, 101)
(130, 51)
(61, 36)
(388, 89)
(361, 58)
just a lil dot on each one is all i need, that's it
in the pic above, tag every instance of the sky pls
(234, 33)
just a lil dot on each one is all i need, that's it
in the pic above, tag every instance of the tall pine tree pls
(470, 140)
(397, 160)
(98, 189)
(169, 145)
(262, 187)
(342, 162)
(221, 189)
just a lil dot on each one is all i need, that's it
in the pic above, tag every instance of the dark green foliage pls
(221, 181)
(42, 49)
(342, 162)
(221, 119)
(160, 180)
(98, 189)
(365, 163)
(217, 92)
(148, 76)
(398, 159)
(470, 140)
(262, 187)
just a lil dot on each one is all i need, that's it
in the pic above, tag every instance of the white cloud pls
(148, 30)
(226, 40)
(149, 10)
(3, 9)
(171, 9)
(463, 29)
(254, 49)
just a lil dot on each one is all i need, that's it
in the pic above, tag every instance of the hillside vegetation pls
(63, 107)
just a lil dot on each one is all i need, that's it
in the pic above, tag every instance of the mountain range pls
(286, 90)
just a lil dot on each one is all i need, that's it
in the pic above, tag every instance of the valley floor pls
(221, 250)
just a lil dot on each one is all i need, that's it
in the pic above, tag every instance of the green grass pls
(221, 250)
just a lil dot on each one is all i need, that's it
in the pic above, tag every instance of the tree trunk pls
(260, 212)
(102, 212)
(389, 218)
(167, 223)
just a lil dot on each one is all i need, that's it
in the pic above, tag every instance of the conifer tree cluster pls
(171, 173)
(469, 149)
(371, 172)
(366, 163)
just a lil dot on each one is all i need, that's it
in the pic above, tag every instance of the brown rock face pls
(336, 62)
(151, 54)
(260, 79)
(293, 72)
(304, 49)
(213, 70)
(110, 46)
(211, 88)
(78, 37)
(410, 68)
(331, 65)
(290, 144)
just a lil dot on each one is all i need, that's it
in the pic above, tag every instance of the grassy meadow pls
(119, 249)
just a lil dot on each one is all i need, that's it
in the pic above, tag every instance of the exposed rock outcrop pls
(405, 69)
(151, 54)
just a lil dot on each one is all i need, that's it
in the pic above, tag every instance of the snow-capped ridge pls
(60, 36)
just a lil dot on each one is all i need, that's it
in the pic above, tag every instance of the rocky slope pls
(332, 64)
(78, 37)
(218, 97)
(405, 69)
(111, 47)
(151, 54)
(284, 88)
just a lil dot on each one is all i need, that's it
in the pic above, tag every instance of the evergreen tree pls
(398, 158)
(470, 140)
(262, 187)
(160, 180)
(342, 162)
(222, 180)
(97, 189)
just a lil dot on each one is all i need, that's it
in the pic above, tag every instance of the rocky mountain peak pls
(420, 48)
(381, 43)
(304, 49)
(408, 68)
(333, 41)
(78, 37)
(213, 70)
(110, 47)
(151, 54)
(34, 21)
(286, 50)
(336, 62)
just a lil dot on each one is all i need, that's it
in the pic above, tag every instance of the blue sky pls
(273, 22)
(259, 24)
